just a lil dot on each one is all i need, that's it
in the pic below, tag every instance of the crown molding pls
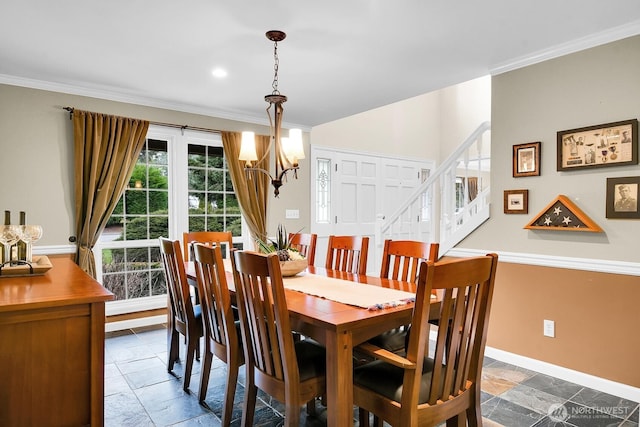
(136, 99)
(589, 41)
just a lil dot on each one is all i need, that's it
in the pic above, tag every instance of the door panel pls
(368, 199)
(348, 204)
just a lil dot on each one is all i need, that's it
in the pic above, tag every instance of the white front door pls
(351, 190)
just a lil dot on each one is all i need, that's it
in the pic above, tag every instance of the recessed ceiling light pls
(219, 73)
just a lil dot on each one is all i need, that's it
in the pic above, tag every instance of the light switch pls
(292, 214)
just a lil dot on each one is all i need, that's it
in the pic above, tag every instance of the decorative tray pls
(39, 266)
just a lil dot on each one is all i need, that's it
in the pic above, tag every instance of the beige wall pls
(428, 126)
(462, 108)
(36, 156)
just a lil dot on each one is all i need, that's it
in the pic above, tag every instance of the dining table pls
(339, 326)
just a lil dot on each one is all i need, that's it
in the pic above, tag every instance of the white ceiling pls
(340, 57)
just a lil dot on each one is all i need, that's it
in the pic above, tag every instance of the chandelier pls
(287, 150)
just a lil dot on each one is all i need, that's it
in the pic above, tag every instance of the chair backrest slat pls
(468, 333)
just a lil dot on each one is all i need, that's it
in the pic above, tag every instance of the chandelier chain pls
(276, 63)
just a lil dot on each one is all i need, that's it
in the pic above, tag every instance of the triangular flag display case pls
(563, 214)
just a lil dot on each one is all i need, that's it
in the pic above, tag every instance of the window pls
(141, 214)
(323, 190)
(180, 182)
(426, 197)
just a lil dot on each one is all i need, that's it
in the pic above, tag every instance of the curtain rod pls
(171, 125)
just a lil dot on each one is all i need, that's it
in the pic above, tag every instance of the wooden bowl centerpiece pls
(293, 266)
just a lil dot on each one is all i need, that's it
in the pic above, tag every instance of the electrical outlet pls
(549, 328)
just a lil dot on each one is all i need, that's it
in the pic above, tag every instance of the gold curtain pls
(106, 151)
(473, 187)
(252, 192)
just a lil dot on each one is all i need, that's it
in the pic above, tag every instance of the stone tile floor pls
(140, 392)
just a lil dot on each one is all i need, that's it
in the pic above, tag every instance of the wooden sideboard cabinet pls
(52, 348)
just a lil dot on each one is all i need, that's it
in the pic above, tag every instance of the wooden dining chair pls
(185, 318)
(417, 389)
(291, 372)
(207, 237)
(401, 258)
(400, 261)
(305, 244)
(222, 331)
(348, 254)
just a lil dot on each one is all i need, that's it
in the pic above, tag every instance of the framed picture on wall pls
(610, 144)
(516, 201)
(622, 197)
(526, 159)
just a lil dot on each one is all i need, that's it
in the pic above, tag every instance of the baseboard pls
(576, 377)
(135, 323)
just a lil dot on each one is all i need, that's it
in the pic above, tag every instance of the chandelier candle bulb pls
(248, 148)
(295, 150)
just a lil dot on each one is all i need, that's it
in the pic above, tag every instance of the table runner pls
(357, 294)
(344, 291)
